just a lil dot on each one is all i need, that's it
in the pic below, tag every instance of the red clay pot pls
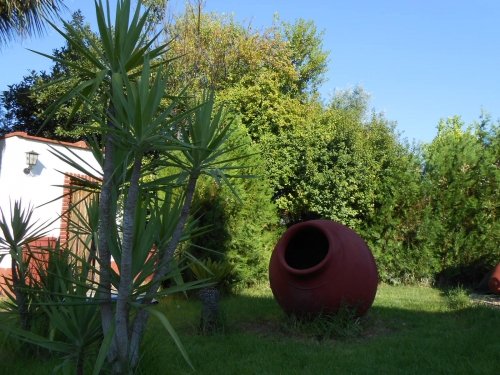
(318, 266)
(494, 282)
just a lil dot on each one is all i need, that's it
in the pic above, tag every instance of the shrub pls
(458, 298)
(460, 184)
(344, 324)
(241, 223)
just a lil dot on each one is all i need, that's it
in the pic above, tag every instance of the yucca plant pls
(19, 231)
(138, 229)
(50, 290)
(213, 270)
(68, 320)
(216, 271)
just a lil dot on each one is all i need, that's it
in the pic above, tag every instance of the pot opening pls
(306, 248)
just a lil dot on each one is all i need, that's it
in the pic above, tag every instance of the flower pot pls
(319, 266)
(494, 282)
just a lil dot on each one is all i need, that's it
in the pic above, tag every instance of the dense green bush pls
(321, 168)
(241, 224)
(393, 229)
(351, 167)
(428, 213)
(461, 189)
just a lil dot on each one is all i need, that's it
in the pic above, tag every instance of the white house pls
(38, 184)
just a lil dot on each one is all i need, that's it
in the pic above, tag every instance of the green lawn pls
(409, 330)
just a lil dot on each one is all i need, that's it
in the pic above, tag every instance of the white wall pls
(40, 186)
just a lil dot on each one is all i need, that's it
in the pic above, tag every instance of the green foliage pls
(266, 77)
(264, 106)
(20, 106)
(217, 271)
(307, 55)
(323, 168)
(21, 17)
(19, 231)
(216, 52)
(50, 291)
(458, 298)
(64, 320)
(241, 220)
(393, 227)
(344, 324)
(461, 187)
(27, 101)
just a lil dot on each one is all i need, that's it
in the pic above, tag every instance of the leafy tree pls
(26, 102)
(461, 186)
(393, 228)
(264, 107)
(307, 55)
(322, 168)
(214, 51)
(266, 76)
(20, 107)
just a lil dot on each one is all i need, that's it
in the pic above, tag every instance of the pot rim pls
(317, 224)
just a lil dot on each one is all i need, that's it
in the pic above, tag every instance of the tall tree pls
(126, 73)
(266, 76)
(307, 55)
(462, 177)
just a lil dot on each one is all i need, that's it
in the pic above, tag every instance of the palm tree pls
(25, 17)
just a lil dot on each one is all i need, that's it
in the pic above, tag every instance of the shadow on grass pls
(409, 330)
(407, 336)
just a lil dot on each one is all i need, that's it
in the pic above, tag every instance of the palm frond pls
(25, 17)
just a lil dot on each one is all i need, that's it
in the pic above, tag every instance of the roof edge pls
(79, 144)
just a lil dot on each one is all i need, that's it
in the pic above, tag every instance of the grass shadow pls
(409, 330)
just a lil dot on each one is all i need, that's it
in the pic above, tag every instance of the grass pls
(409, 330)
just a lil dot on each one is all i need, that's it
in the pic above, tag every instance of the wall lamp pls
(31, 159)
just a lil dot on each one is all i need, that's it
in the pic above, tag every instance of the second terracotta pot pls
(494, 282)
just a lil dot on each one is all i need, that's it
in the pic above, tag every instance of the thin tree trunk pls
(139, 324)
(18, 286)
(79, 364)
(125, 287)
(106, 222)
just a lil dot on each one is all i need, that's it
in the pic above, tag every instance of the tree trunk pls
(210, 322)
(139, 324)
(79, 364)
(106, 222)
(19, 287)
(121, 337)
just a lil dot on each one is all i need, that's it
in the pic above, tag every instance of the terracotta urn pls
(318, 266)
(494, 282)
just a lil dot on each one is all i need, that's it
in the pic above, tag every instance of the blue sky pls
(420, 60)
